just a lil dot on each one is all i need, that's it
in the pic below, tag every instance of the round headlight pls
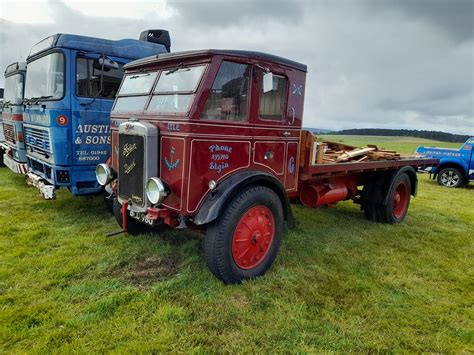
(103, 174)
(155, 190)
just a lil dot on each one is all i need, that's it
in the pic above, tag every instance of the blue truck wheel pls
(450, 177)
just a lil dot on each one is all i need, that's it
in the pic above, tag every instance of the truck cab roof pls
(125, 48)
(212, 52)
(21, 66)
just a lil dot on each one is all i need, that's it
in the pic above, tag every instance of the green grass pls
(340, 283)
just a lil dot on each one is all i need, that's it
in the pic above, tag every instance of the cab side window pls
(228, 99)
(88, 79)
(273, 103)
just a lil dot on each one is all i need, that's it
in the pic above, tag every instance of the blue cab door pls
(89, 127)
(92, 100)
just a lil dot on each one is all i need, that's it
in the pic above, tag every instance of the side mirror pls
(267, 81)
(107, 63)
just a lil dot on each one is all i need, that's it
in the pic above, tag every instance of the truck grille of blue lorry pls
(9, 132)
(38, 142)
(131, 168)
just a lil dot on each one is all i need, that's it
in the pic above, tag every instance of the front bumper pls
(79, 180)
(426, 170)
(16, 167)
(45, 189)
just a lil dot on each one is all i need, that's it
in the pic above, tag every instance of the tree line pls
(433, 135)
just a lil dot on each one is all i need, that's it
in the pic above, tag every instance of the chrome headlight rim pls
(103, 174)
(156, 190)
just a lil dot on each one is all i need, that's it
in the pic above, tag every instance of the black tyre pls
(372, 197)
(386, 200)
(134, 227)
(450, 177)
(244, 241)
(108, 200)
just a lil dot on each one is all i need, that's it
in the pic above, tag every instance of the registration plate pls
(142, 217)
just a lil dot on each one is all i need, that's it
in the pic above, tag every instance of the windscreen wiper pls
(180, 66)
(138, 76)
(37, 99)
(6, 103)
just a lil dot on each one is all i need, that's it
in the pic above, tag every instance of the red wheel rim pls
(253, 237)
(400, 200)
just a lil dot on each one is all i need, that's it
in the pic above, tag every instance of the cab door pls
(276, 137)
(94, 92)
(469, 148)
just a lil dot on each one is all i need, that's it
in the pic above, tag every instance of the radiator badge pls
(169, 163)
(128, 149)
(137, 199)
(127, 168)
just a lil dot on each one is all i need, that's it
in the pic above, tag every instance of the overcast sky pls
(371, 63)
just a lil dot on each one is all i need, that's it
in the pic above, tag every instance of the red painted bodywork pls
(215, 149)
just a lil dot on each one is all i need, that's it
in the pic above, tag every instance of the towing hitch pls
(123, 212)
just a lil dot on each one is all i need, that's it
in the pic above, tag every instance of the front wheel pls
(108, 200)
(450, 177)
(244, 241)
(134, 227)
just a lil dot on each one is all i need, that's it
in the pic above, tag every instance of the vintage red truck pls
(212, 140)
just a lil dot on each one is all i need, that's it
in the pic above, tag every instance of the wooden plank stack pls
(325, 152)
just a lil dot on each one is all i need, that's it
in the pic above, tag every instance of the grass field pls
(340, 283)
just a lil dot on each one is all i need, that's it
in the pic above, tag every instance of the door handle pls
(292, 109)
(286, 133)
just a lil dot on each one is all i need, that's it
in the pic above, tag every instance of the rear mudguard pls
(413, 179)
(216, 201)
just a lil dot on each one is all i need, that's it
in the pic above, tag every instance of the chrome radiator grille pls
(9, 133)
(37, 141)
(131, 169)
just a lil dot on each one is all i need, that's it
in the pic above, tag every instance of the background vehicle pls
(456, 166)
(13, 147)
(2, 137)
(70, 86)
(212, 140)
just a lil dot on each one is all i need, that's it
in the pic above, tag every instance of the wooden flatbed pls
(310, 170)
(321, 170)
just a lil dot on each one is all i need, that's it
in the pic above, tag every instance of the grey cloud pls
(453, 17)
(230, 13)
(370, 64)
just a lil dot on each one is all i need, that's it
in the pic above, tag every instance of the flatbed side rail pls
(319, 170)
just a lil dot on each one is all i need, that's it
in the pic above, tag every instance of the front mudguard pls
(217, 200)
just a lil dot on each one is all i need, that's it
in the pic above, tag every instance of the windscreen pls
(173, 92)
(45, 77)
(13, 93)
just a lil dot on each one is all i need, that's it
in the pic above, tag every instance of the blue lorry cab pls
(456, 166)
(2, 137)
(71, 84)
(12, 148)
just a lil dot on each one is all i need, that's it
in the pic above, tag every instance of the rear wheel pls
(133, 226)
(385, 201)
(244, 241)
(450, 177)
